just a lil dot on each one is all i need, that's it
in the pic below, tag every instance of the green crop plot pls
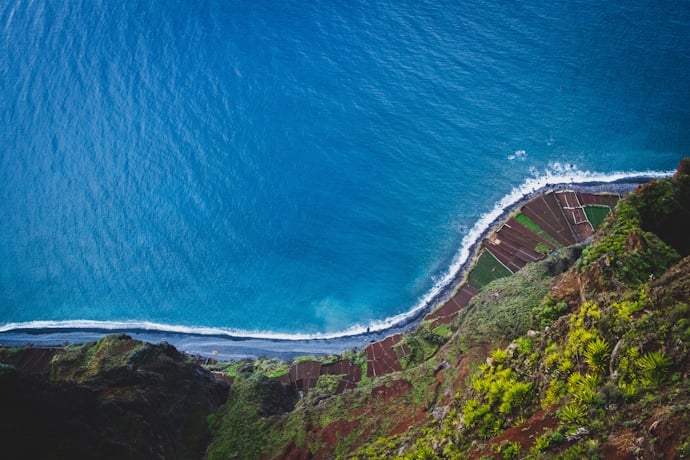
(596, 214)
(487, 269)
(530, 224)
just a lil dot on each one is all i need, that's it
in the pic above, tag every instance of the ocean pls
(304, 169)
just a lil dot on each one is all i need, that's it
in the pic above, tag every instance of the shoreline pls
(225, 345)
(620, 187)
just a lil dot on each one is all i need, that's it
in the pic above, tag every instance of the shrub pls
(473, 411)
(524, 345)
(541, 443)
(547, 312)
(554, 393)
(517, 395)
(584, 388)
(499, 356)
(653, 367)
(511, 450)
(574, 412)
(597, 354)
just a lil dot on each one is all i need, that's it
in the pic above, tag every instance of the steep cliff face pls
(117, 398)
(664, 208)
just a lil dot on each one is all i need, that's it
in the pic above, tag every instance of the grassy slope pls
(486, 269)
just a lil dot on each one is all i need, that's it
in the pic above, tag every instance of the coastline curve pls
(227, 343)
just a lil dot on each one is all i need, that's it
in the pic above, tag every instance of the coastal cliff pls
(568, 339)
(116, 398)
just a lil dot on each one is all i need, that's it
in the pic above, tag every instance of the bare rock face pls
(117, 398)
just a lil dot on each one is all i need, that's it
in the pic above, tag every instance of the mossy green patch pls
(486, 270)
(596, 214)
(81, 362)
(443, 331)
(530, 224)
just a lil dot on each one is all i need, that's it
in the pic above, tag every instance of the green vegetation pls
(498, 397)
(487, 269)
(443, 331)
(541, 248)
(548, 310)
(631, 254)
(598, 354)
(502, 311)
(596, 214)
(663, 208)
(422, 343)
(510, 450)
(82, 362)
(653, 368)
(529, 223)
(238, 429)
(233, 368)
(327, 384)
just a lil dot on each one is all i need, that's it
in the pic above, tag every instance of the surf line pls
(556, 177)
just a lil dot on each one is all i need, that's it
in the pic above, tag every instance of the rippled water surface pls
(303, 167)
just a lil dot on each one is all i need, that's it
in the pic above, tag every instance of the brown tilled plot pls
(351, 373)
(451, 308)
(383, 357)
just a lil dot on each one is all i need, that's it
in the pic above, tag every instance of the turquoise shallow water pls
(303, 169)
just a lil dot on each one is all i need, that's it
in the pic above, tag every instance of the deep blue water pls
(303, 167)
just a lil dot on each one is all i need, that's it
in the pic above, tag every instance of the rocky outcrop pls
(117, 398)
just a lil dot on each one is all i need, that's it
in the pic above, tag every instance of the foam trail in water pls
(556, 175)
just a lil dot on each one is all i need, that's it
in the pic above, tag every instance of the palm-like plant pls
(597, 354)
(653, 367)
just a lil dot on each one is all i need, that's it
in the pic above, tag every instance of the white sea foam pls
(519, 154)
(557, 174)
